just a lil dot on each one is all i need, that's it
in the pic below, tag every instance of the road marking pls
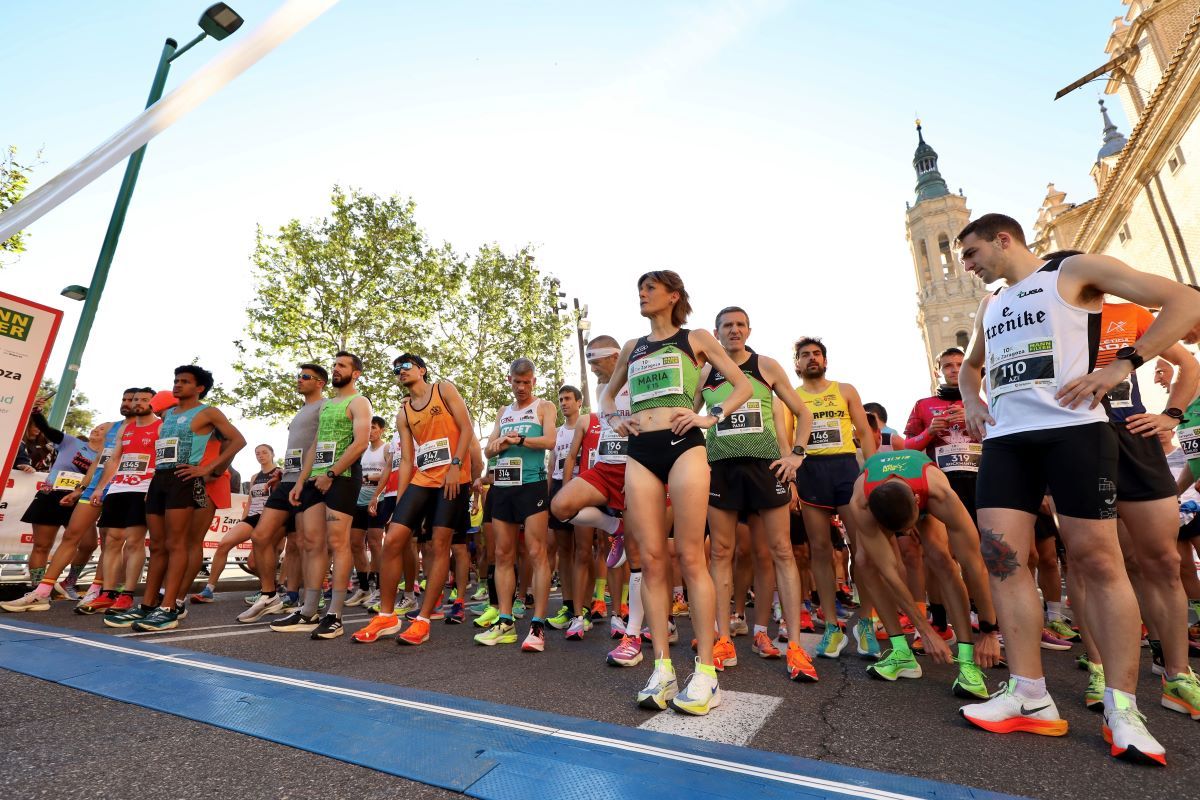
(735, 721)
(243, 627)
(620, 745)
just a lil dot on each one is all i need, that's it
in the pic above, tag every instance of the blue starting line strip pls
(481, 749)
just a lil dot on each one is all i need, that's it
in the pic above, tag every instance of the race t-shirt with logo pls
(518, 464)
(372, 462)
(136, 467)
(953, 449)
(611, 447)
(335, 433)
(259, 492)
(436, 436)
(663, 374)
(301, 432)
(910, 466)
(1036, 344)
(832, 430)
(746, 432)
(110, 444)
(1122, 324)
(177, 444)
(564, 435)
(72, 459)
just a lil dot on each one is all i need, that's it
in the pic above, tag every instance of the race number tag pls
(592, 455)
(507, 472)
(958, 457)
(826, 435)
(747, 419)
(1022, 366)
(324, 454)
(655, 376)
(612, 449)
(104, 457)
(397, 454)
(1121, 395)
(293, 460)
(435, 453)
(166, 451)
(133, 465)
(1189, 442)
(66, 481)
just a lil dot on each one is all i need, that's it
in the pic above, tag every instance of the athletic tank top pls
(259, 493)
(72, 459)
(519, 465)
(564, 435)
(611, 447)
(393, 481)
(1122, 324)
(110, 444)
(953, 449)
(1036, 344)
(910, 466)
(177, 444)
(301, 433)
(435, 434)
(746, 432)
(136, 467)
(1188, 433)
(663, 374)
(372, 462)
(832, 430)
(335, 433)
(591, 441)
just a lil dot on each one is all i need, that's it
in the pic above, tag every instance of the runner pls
(667, 453)
(748, 476)
(569, 400)
(892, 440)
(524, 431)
(825, 482)
(326, 493)
(366, 532)
(261, 485)
(433, 486)
(896, 493)
(1037, 337)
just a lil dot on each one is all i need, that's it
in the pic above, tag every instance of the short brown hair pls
(949, 351)
(987, 226)
(670, 280)
(731, 310)
(805, 341)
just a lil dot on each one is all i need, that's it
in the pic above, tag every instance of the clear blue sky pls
(762, 149)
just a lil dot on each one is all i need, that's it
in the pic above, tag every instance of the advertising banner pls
(27, 332)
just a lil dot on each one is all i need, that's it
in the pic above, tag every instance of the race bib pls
(1189, 442)
(166, 451)
(1022, 366)
(592, 454)
(958, 457)
(397, 453)
(104, 457)
(1121, 395)
(747, 419)
(826, 435)
(66, 481)
(655, 376)
(612, 449)
(435, 453)
(133, 465)
(324, 455)
(507, 471)
(293, 460)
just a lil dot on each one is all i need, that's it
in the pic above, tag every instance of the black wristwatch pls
(521, 442)
(456, 462)
(798, 450)
(1130, 354)
(716, 411)
(1173, 413)
(988, 627)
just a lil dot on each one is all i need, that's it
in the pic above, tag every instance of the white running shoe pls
(262, 606)
(701, 695)
(576, 629)
(658, 691)
(409, 603)
(738, 626)
(616, 627)
(1125, 731)
(27, 602)
(356, 598)
(1006, 712)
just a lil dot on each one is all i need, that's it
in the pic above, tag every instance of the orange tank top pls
(435, 434)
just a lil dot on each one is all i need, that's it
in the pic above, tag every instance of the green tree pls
(80, 419)
(364, 279)
(14, 180)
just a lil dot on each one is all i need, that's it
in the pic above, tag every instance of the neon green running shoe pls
(971, 683)
(701, 695)
(560, 620)
(660, 690)
(500, 633)
(518, 609)
(833, 642)
(488, 618)
(895, 665)
(1083, 663)
(1093, 696)
(1182, 694)
(480, 593)
(1063, 631)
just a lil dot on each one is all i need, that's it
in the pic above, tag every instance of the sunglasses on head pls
(403, 365)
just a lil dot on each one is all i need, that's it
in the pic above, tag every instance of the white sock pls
(592, 517)
(1054, 611)
(1030, 688)
(635, 603)
(1110, 700)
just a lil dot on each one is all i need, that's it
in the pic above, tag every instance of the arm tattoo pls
(1000, 558)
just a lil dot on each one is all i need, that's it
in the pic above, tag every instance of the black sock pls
(816, 598)
(493, 598)
(937, 613)
(373, 579)
(364, 581)
(529, 600)
(570, 607)
(111, 594)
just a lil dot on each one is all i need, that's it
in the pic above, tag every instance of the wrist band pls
(988, 627)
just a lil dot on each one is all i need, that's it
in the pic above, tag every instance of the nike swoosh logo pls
(1028, 711)
(675, 442)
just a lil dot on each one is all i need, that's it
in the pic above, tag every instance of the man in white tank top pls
(1036, 340)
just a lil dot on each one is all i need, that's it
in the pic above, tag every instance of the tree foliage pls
(80, 419)
(14, 180)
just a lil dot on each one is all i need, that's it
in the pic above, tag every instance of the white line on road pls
(735, 721)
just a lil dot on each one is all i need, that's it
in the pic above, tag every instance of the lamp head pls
(219, 20)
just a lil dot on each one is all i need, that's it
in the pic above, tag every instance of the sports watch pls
(1130, 354)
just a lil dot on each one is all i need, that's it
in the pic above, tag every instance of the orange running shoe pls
(799, 665)
(599, 610)
(417, 633)
(724, 653)
(380, 625)
(764, 646)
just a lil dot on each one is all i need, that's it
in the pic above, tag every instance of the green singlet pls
(663, 374)
(746, 432)
(335, 433)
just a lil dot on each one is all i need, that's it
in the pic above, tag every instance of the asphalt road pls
(910, 727)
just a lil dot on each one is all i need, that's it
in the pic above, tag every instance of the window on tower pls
(962, 338)
(947, 256)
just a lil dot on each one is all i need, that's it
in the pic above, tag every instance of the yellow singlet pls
(832, 430)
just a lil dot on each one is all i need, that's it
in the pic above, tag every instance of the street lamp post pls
(582, 324)
(218, 21)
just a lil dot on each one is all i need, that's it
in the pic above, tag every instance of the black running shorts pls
(1142, 469)
(745, 485)
(168, 491)
(342, 495)
(46, 509)
(515, 504)
(422, 506)
(123, 510)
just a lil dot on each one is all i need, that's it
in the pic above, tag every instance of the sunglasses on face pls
(401, 367)
(304, 376)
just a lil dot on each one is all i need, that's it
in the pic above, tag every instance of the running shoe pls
(626, 654)
(417, 633)
(266, 604)
(535, 641)
(777, 611)
(126, 618)
(66, 591)
(806, 622)
(724, 653)
(295, 622)
(560, 620)
(1125, 731)
(599, 610)
(660, 690)
(518, 609)
(864, 637)
(764, 647)
(488, 618)
(623, 611)
(679, 606)
(157, 621)
(947, 634)
(845, 594)
(1093, 695)
(799, 665)
(479, 609)
(1083, 663)
(1005, 712)
(481, 593)
(1182, 694)
(288, 604)
(205, 595)
(701, 695)
(1157, 665)
(616, 627)
(251, 599)
(616, 550)
(30, 601)
(832, 643)
(906, 625)
(738, 626)
(181, 610)
(409, 603)
(1062, 630)
(782, 634)
(92, 593)
(971, 683)
(330, 627)
(672, 632)
(356, 598)
(103, 602)
(575, 630)
(1052, 642)
(372, 599)
(380, 625)
(500, 633)
(894, 665)
(124, 602)
(457, 614)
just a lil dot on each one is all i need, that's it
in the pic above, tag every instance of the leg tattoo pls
(1000, 558)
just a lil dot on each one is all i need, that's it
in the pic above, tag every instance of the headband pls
(601, 352)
